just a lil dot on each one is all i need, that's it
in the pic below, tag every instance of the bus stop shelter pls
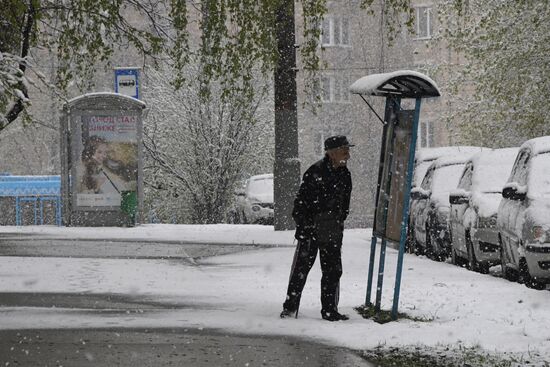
(396, 164)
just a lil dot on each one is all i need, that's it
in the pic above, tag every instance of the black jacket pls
(324, 190)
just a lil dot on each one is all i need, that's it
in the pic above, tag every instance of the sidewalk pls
(243, 293)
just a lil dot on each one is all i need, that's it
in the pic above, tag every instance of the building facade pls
(355, 43)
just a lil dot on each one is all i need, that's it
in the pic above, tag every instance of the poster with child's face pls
(107, 158)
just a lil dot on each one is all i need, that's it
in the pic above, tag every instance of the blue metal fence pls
(34, 189)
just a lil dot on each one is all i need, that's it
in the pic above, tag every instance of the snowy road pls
(243, 292)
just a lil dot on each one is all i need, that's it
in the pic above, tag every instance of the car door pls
(459, 212)
(422, 208)
(511, 211)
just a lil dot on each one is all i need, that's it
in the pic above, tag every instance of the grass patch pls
(384, 316)
(445, 356)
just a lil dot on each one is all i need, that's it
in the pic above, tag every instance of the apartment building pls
(354, 44)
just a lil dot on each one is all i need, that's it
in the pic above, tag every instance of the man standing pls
(320, 209)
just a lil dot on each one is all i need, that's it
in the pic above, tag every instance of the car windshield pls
(491, 178)
(446, 178)
(261, 187)
(539, 176)
(420, 171)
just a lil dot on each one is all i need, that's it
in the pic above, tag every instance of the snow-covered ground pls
(244, 293)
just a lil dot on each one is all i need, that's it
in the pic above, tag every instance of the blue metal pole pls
(58, 210)
(17, 212)
(402, 239)
(35, 212)
(380, 275)
(41, 211)
(371, 269)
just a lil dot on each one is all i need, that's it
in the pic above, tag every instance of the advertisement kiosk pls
(102, 179)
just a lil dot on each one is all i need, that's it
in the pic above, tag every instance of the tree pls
(80, 33)
(238, 43)
(200, 145)
(504, 83)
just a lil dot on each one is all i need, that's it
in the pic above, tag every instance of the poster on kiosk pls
(107, 158)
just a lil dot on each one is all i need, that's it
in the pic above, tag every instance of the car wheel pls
(410, 243)
(418, 249)
(429, 251)
(454, 256)
(439, 254)
(526, 278)
(507, 273)
(472, 261)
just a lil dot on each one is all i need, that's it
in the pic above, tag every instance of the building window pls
(423, 17)
(425, 134)
(335, 31)
(334, 89)
(319, 146)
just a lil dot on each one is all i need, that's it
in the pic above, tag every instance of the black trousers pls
(331, 267)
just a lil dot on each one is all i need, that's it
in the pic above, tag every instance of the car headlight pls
(539, 234)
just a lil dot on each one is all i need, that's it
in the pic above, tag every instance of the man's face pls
(339, 156)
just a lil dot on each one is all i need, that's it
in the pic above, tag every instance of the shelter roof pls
(401, 83)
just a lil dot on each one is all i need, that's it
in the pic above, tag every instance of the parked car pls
(423, 159)
(254, 201)
(523, 220)
(474, 205)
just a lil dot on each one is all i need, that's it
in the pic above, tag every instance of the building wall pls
(356, 45)
(362, 50)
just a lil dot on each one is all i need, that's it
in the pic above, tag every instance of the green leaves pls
(506, 47)
(233, 39)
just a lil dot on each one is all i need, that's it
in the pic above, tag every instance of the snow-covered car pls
(254, 202)
(423, 159)
(523, 219)
(474, 205)
(431, 234)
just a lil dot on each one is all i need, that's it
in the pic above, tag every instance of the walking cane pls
(294, 260)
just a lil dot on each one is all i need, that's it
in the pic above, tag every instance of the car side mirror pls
(457, 198)
(512, 193)
(418, 194)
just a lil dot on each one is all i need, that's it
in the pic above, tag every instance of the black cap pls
(337, 142)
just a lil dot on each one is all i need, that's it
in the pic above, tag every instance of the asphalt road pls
(180, 347)
(117, 249)
(140, 347)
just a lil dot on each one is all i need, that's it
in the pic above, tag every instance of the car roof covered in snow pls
(495, 156)
(425, 156)
(491, 168)
(538, 145)
(459, 158)
(431, 154)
